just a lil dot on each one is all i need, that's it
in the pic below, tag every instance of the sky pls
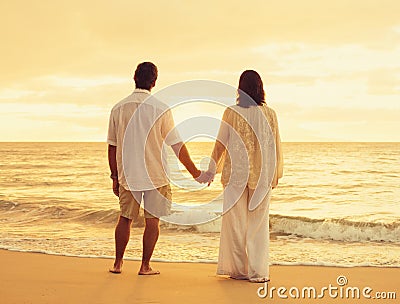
(331, 69)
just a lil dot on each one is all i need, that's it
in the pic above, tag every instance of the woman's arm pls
(216, 155)
(279, 154)
(220, 143)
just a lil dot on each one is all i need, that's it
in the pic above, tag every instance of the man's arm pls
(183, 155)
(112, 162)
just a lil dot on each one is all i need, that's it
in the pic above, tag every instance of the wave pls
(335, 229)
(302, 227)
(7, 205)
(30, 213)
(180, 220)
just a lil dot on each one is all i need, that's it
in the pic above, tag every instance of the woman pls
(248, 148)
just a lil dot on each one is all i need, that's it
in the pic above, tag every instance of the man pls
(138, 128)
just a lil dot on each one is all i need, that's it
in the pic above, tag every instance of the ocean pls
(337, 205)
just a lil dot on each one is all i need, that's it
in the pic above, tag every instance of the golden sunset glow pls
(331, 70)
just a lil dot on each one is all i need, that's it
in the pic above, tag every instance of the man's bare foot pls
(147, 271)
(117, 268)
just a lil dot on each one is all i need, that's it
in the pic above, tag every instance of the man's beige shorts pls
(157, 202)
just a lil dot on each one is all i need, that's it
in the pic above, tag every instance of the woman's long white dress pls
(252, 165)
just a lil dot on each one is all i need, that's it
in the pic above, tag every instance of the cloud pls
(53, 122)
(338, 123)
(384, 81)
(321, 58)
(308, 69)
(102, 90)
(96, 37)
(327, 61)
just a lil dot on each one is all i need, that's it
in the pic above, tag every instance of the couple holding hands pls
(247, 152)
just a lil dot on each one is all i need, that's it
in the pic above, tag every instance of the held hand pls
(211, 175)
(115, 187)
(205, 177)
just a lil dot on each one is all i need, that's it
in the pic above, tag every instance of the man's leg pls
(150, 237)
(129, 204)
(157, 202)
(122, 233)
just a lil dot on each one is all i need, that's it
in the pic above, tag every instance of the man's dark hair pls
(145, 75)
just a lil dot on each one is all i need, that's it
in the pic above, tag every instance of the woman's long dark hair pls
(251, 89)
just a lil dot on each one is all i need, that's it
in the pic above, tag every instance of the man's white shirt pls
(140, 126)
